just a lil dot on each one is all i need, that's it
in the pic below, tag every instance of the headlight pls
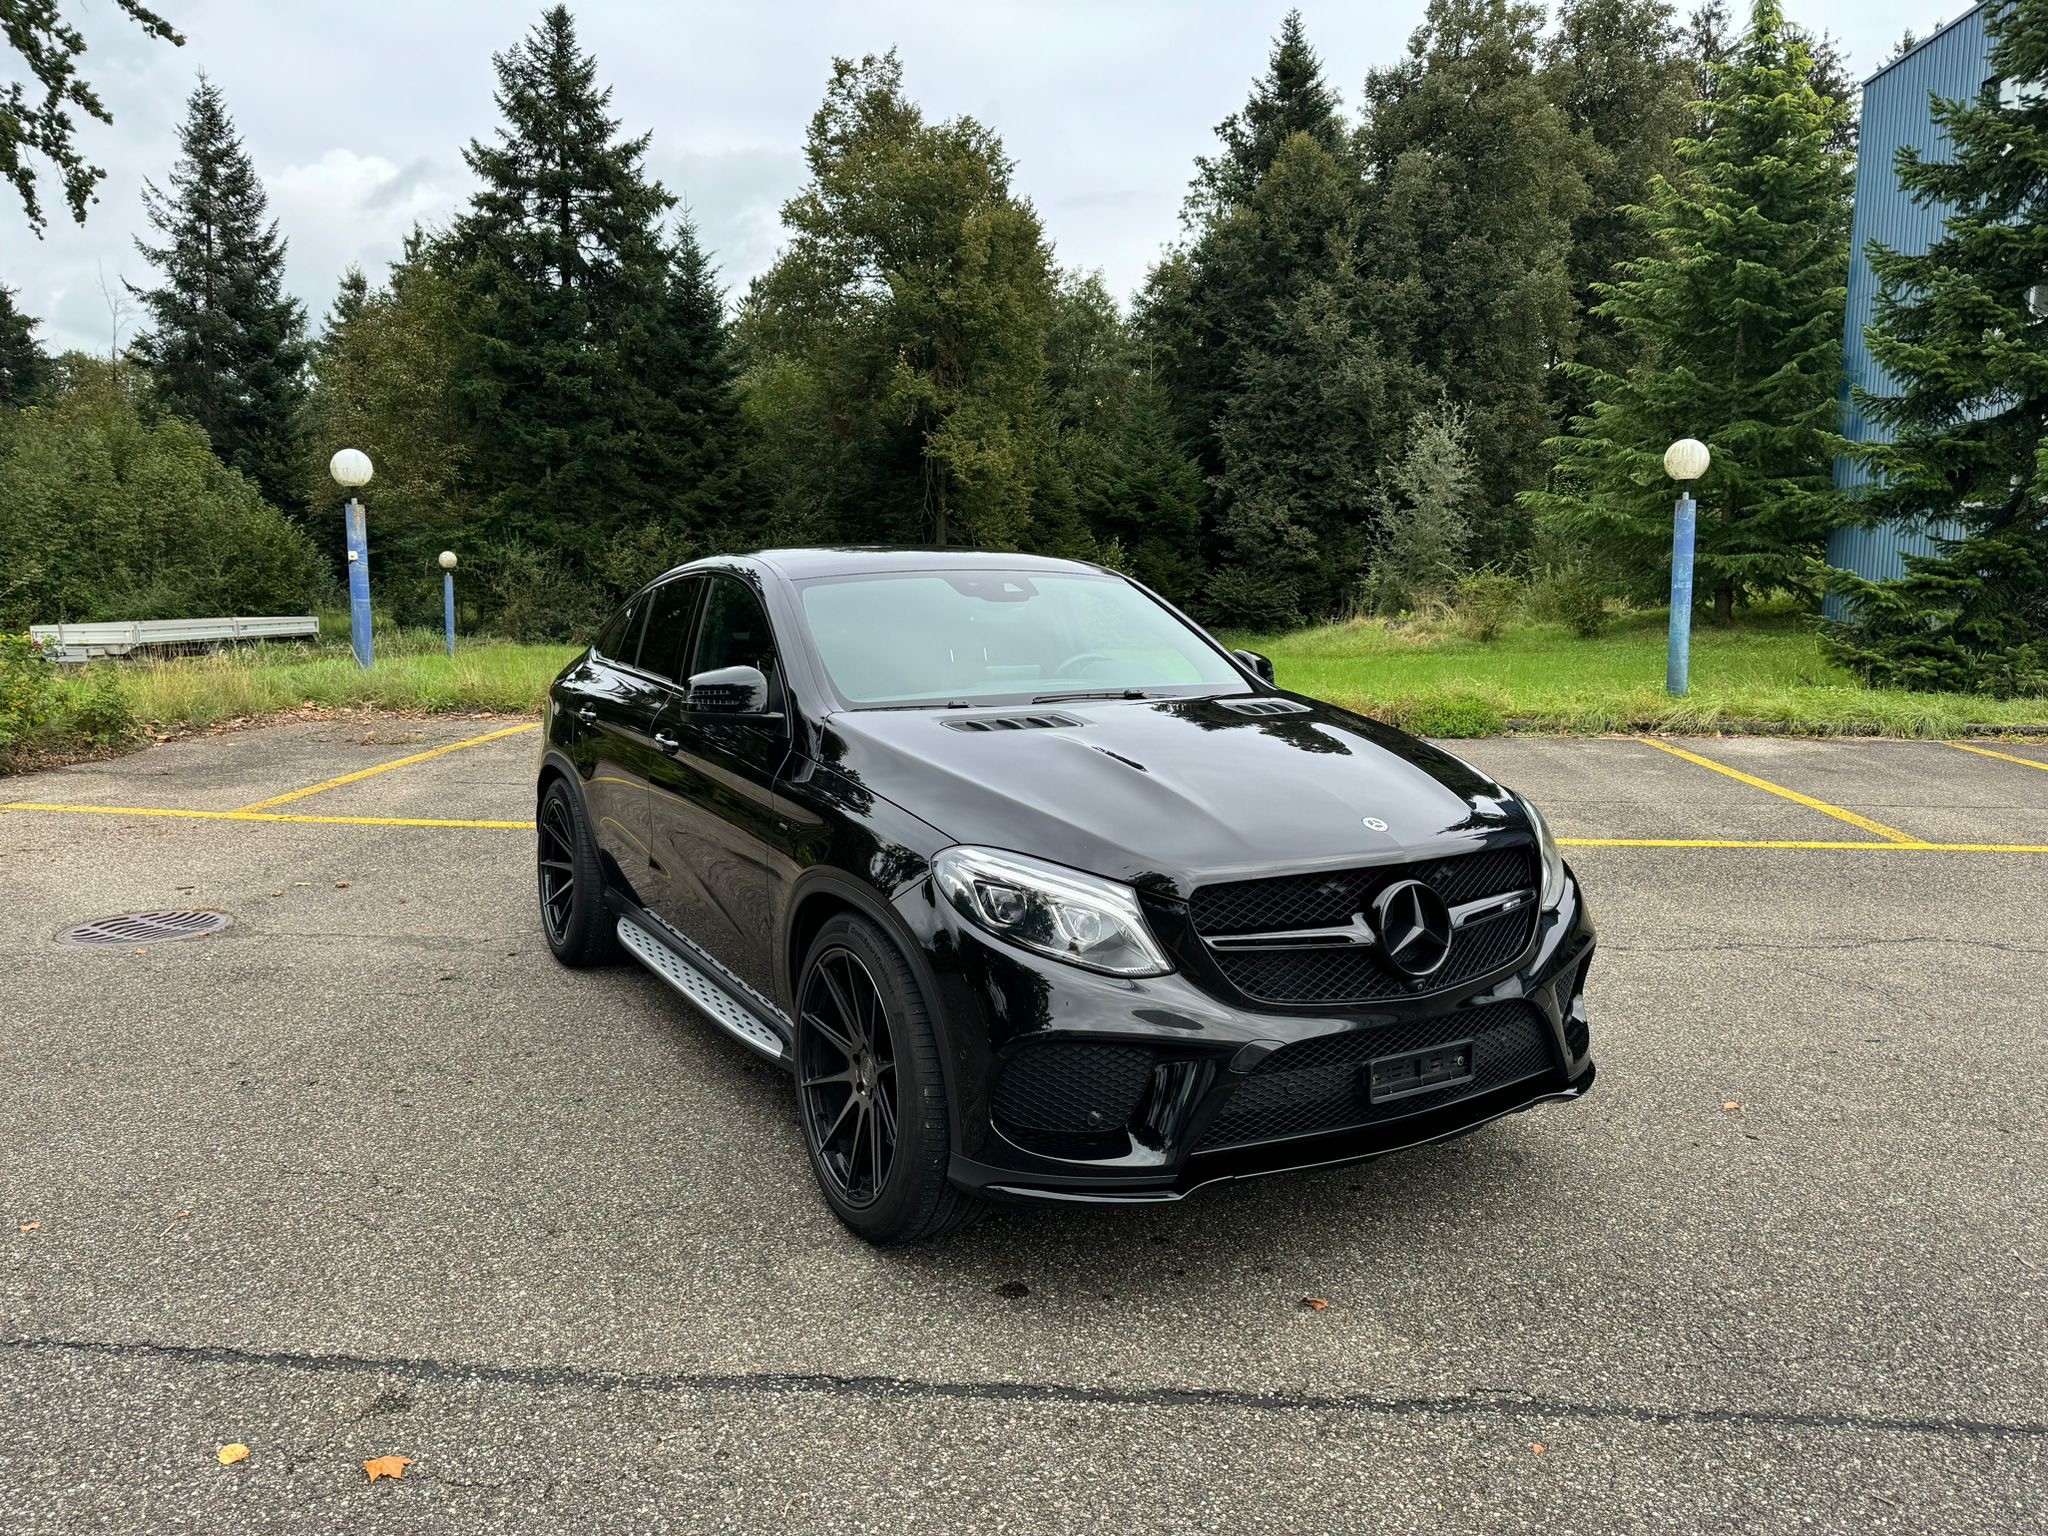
(1553, 861)
(1051, 910)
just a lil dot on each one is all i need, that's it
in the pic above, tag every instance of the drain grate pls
(144, 928)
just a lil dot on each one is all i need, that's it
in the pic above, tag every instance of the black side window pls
(620, 639)
(664, 644)
(735, 633)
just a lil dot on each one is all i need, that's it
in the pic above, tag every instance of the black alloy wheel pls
(574, 916)
(870, 1091)
(557, 866)
(846, 1072)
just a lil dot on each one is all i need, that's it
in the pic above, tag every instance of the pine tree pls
(1291, 97)
(1959, 331)
(24, 366)
(1478, 183)
(588, 330)
(1736, 312)
(50, 47)
(898, 342)
(1193, 327)
(1626, 90)
(227, 346)
(1419, 547)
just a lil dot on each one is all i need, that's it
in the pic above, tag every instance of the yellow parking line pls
(1890, 834)
(399, 762)
(2003, 757)
(324, 821)
(1916, 846)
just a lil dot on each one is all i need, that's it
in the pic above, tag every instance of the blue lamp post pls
(448, 598)
(1684, 461)
(351, 469)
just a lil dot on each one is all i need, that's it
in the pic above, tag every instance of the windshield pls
(938, 636)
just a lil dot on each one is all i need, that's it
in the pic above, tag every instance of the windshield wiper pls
(1094, 693)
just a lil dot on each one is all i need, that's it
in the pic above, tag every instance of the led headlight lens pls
(1553, 861)
(1051, 910)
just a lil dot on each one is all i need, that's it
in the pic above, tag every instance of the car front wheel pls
(869, 1089)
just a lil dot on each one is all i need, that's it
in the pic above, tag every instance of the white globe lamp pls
(1687, 459)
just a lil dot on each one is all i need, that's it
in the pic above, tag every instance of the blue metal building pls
(1953, 64)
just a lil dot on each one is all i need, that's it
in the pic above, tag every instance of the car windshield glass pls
(937, 636)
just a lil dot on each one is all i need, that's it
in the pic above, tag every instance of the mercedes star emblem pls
(1375, 823)
(1414, 927)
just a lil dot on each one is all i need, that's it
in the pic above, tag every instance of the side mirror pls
(737, 693)
(1259, 665)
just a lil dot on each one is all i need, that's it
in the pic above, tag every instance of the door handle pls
(666, 742)
(586, 714)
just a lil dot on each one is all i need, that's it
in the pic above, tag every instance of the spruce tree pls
(1291, 97)
(1959, 331)
(227, 344)
(1736, 312)
(24, 366)
(1626, 89)
(586, 329)
(1478, 184)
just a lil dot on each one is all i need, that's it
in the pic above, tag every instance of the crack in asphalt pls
(899, 1389)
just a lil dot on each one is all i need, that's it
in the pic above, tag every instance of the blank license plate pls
(1412, 1072)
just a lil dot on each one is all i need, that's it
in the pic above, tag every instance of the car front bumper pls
(1067, 1085)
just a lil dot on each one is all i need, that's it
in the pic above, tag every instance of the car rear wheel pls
(573, 914)
(869, 1091)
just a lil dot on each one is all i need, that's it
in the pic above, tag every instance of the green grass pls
(1767, 671)
(412, 673)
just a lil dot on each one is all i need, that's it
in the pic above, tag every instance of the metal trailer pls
(91, 642)
(1953, 64)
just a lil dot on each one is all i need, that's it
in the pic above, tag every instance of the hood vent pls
(1038, 721)
(1264, 706)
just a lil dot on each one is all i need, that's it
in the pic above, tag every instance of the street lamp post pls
(1684, 461)
(351, 469)
(448, 598)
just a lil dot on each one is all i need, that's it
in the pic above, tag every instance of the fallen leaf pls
(1316, 1303)
(31, 1226)
(341, 885)
(1731, 1106)
(1537, 1447)
(277, 893)
(230, 1454)
(387, 1466)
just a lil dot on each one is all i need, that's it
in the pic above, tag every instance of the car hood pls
(1168, 794)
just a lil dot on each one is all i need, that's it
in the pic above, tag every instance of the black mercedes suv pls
(1038, 891)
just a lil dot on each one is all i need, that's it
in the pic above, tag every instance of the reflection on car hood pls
(1171, 793)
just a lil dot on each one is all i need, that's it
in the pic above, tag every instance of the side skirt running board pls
(724, 1010)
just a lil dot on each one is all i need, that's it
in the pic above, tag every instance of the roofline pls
(1941, 31)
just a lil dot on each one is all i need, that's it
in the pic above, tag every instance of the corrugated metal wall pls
(1897, 111)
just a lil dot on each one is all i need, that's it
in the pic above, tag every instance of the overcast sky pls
(355, 114)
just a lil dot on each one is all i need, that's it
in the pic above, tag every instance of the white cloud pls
(348, 209)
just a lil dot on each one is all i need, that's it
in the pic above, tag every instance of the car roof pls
(801, 564)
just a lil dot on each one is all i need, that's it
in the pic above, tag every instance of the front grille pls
(1354, 974)
(1065, 1089)
(1316, 1086)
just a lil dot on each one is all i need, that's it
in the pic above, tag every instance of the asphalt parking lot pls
(366, 1174)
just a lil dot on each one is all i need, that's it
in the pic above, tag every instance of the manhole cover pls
(144, 928)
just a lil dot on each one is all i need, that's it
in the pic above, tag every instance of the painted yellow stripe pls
(1890, 834)
(1715, 842)
(323, 821)
(398, 762)
(2003, 757)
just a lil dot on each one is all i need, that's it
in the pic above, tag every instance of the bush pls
(99, 711)
(28, 689)
(1569, 595)
(1487, 603)
(1254, 600)
(1453, 714)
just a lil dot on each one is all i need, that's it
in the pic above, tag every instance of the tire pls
(575, 921)
(913, 1201)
